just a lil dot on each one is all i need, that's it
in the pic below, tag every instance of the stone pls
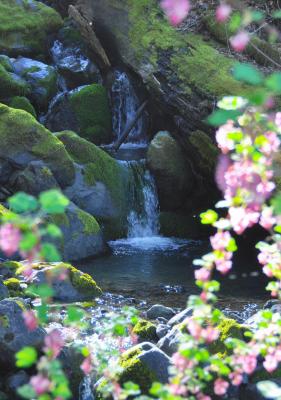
(14, 334)
(22, 103)
(162, 330)
(145, 330)
(11, 84)
(4, 293)
(15, 381)
(170, 342)
(180, 317)
(42, 79)
(159, 310)
(174, 178)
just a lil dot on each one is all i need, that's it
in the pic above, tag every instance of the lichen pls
(91, 108)
(90, 225)
(145, 330)
(22, 103)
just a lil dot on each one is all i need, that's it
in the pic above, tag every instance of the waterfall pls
(143, 219)
(124, 106)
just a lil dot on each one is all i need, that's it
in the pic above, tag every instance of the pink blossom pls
(181, 362)
(278, 120)
(40, 384)
(224, 143)
(267, 219)
(30, 320)
(86, 365)
(177, 390)
(249, 364)
(270, 363)
(272, 143)
(240, 41)
(210, 334)
(220, 240)
(242, 219)
(265, 188)
(236, 378)
(54, 343)
(194, 329)
(10, 238)
(223, 12)
(202, 396)
(224, 163)
(202, 274)
(176, 10)
(220, 387)
(223, 266)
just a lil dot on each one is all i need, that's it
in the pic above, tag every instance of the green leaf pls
(53, 230)
(119, 330)
(208, 217)
(273, 82)
(26, 357)
(74, 314)
(277, 228)
(26, 392)
(248, 74)
(85, 352)
(28, 242)
(50, 253)
(22, 202)
(276, 203)
(235, 22)
(220, 117)
(232, 246)
(44, 291)
(53, 202)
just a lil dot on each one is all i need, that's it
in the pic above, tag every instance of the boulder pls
(157, 311)
(42, 79)
(180, 317)
(82, 235)
(173, 175)
(91, 117)
(170, 342)
(24, 140)
(4, 293)
(25, 25)
(77, 287)
(22, 103)
(14, 334)
(145, 330)
(162, 330)
(11, 84)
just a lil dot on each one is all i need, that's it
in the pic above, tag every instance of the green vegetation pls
(91, 107)
(90, 225)
(145, 330)
(206, 150)
(13, 285)
(22, 103)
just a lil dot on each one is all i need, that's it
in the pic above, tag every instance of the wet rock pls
(75, 66)
(173, 175)
(180, 317)
(253, 321)
(41, 77)
(13, 332)
(15, 381)
(170, 342)
(158, 310)
(10, 83)
(162, 330)
(4, 293)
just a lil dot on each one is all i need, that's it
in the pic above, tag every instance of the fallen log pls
(87, 31)
(130, 126)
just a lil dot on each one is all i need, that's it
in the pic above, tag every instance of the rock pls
(101, 185)
(34, 179)
(15, 381)
(170, 342)
(76, 67)
(255, 319)
(14, 334)
(11, 84)
(91, 114)
(77, 287)
(71, 359)
(82, 235)
(14, 287)
(174, 178)
(24, 140)
(160, 311)
(162, 330)
(34, 22)
(145, 330)
(22, 103)
(42, 79)
(4, 293)
(180, 317)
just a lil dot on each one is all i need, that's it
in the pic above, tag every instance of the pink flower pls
(223, 12)
(241, 218)
(240, 41)
(202, 396)
(270, 363)
(40, 384)
(224, 143)
(272, 144)
(177, 390)
(10, 238)
(224, 163)
(176, 10)
(223, 266)
(220, 387)
(54, 343)
(267, 219)
(249, 364)
(220, 240)
(86, 365)
(210, 334)
(278, 120)
(194, 329)
(236, 378)
(202, 274)
(30, 320)
(180, 362)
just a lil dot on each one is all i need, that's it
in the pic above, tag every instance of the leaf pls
(74, 314)
(220, 117)
(22, 202)
(26, 392)
(208, 217)
(26, 357)
(232, 103)
(50, 253)
(276, 203)
(248, 74)
(269, 389)
(273, 82)
(53, 202)
(44, 291)
(119, 330)
(232, 246)
(28, 242)
(54, 231)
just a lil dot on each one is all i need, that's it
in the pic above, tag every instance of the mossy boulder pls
(77, 287)
(14, 287)
(82, 235)
(11, 84)
(145, 330)
(100, 184)
(24, 140)
(25, 25)
(42, 79)
(174, 177)
(22, 103)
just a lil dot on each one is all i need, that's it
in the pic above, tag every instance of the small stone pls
(162, 330)
(159, 310)
(178, 318)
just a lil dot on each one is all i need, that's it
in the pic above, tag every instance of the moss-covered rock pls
(24, 26)
(145, 330)
(14, 287)
(90, 105)
(24, 140)
(22, 103)
(11, 84)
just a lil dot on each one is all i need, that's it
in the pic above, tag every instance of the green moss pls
(12, 265)
(90, 225)
(6, 63)
(24, 27)
(83, 282)
(207, 151)
(228, 328)
(4, 321)
(22, 103)
(9, 86)
(60, 219)
(91, 107)
(13, 285)
(145, 330)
